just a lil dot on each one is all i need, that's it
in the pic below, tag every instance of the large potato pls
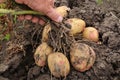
(91, 34)
(62, 10)
(82, 56)
(77, 25)
(58, 64)
(46, 30)
(41, 54)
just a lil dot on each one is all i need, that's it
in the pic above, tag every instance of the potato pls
(58, 64)
(82, 56)
(46, 30)
(62, 10)
(41, 54)
(91, 34)
(77, 25)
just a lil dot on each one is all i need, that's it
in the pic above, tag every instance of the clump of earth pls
(16, 55)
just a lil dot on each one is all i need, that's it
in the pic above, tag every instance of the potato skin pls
(91, 34)
(41, 54)
(77, 25)
(58, 64)
(82, 57)
(62, 10)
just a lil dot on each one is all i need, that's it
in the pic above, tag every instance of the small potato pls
(58, 64)
(46, 30)
(41, 54)
(62, 10)
(82, 56)
(77, 25)
(91, 34)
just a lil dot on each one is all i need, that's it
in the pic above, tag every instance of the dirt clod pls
(17, 53)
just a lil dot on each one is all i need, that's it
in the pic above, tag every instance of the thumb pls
(52, 13)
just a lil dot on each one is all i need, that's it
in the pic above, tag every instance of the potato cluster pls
(82, 56)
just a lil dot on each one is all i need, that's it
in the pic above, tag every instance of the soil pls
(16, 55)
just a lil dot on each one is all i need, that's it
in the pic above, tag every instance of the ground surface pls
(16, 55)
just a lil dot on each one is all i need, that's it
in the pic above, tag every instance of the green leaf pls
(7, 37)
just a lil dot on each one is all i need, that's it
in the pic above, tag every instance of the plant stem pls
(19, 12)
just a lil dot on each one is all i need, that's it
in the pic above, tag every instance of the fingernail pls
(60, 18)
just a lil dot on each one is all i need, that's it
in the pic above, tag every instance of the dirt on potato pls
(16, 55)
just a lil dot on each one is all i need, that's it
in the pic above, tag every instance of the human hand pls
(1, 1)
(45, 6)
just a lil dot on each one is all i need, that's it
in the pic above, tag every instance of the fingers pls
(41, 22)
(28, 17)
(1, 1)
(40, 5)
(54, 15)
(31, 18)
(35, 20)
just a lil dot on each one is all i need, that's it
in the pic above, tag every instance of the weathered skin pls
(45, 6)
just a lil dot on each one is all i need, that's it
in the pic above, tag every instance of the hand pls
(1, 1)
(45, 6)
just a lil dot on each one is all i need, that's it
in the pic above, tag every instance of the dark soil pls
(16, 55)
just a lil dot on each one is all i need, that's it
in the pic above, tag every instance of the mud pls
(16, 55)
